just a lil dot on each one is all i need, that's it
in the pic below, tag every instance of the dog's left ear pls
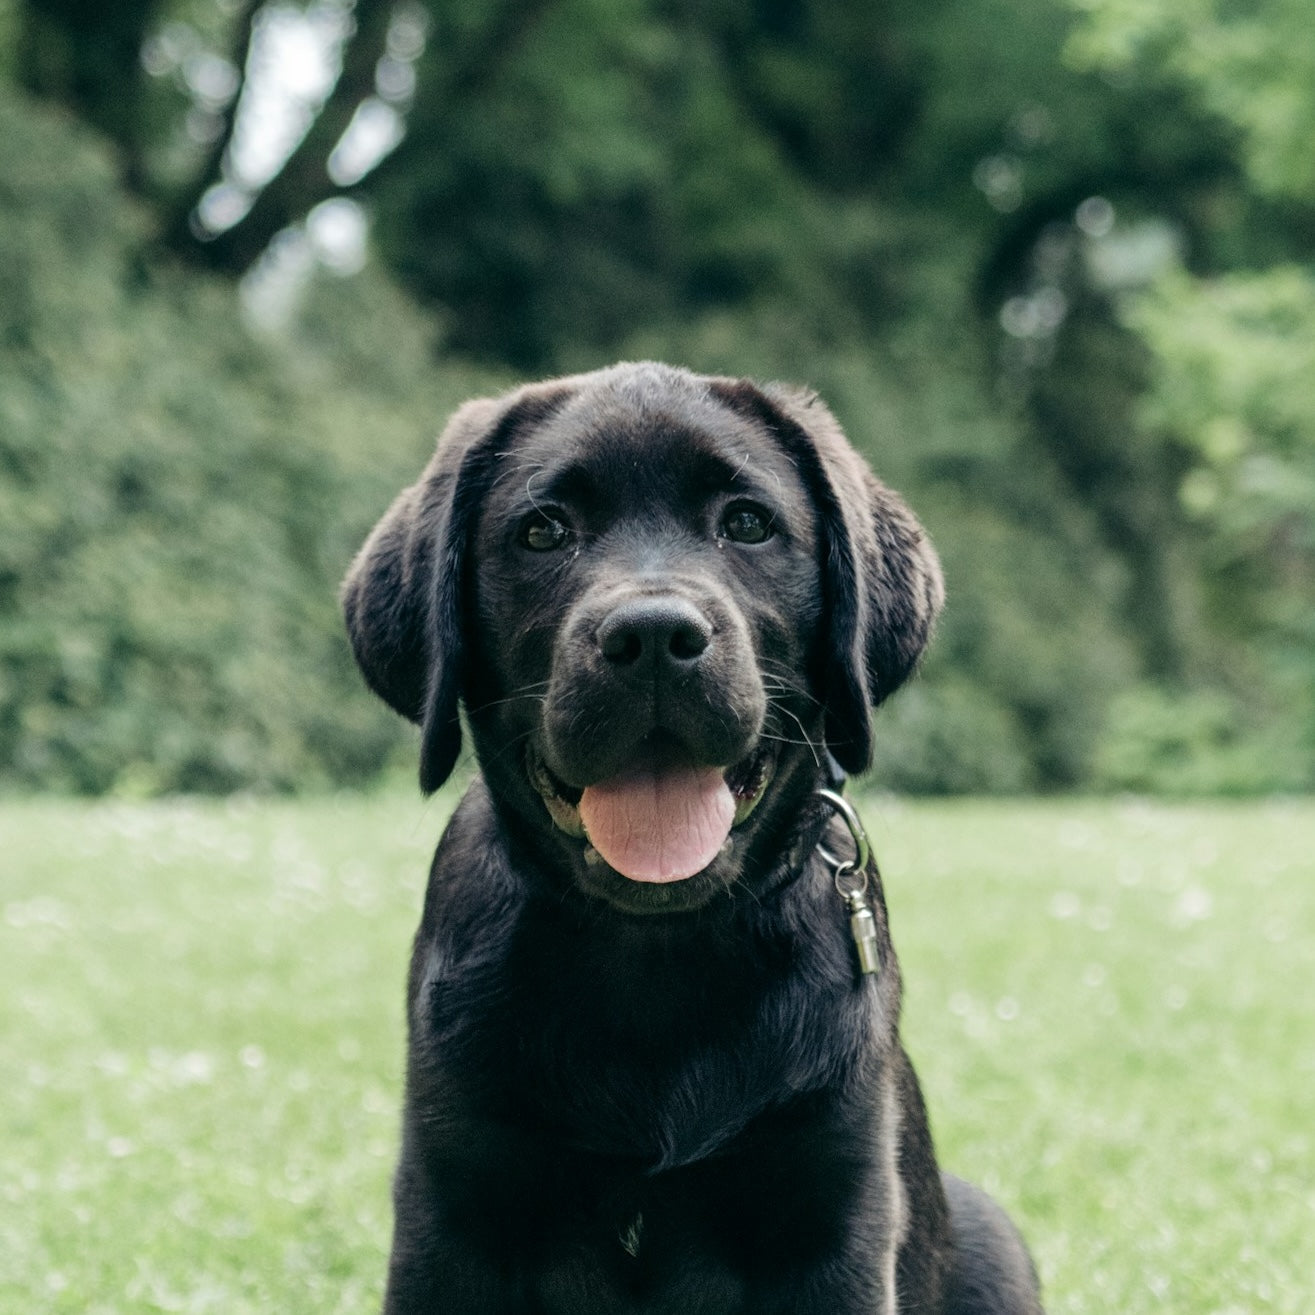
(881, 576)
(403, 598)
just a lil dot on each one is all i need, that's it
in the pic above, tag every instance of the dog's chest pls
(659, 1056)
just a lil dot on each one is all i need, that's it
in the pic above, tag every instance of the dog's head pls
(662, 598)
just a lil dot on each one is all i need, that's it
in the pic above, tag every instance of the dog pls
(654, 1061)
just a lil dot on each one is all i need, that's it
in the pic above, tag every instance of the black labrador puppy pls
(654, 1060)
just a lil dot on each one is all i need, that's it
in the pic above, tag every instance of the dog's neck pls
(798, 853)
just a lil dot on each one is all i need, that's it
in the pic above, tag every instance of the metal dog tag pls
(863, 928)
(851, 881)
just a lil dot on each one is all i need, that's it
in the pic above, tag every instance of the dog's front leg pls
(852, 1275)
(857, 1283)
(812, 1211)
(442, 1277)
(433, 1268)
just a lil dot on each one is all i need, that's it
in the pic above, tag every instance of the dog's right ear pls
(881, 579)
(403, 597)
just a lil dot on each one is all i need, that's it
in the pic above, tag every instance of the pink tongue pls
(659, 826)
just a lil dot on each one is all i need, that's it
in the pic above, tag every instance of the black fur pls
(626, 1097)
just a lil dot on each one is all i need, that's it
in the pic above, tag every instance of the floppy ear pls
(403, 598)
(882, 580)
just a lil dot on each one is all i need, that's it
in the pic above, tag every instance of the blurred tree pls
(86, 53)
(302, 180)
(1252, 65)
(178, 498)
(967, 224)
(1230, 340)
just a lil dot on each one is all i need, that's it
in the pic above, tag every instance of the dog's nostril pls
(623, 647)
(687, 642)
(661, 629)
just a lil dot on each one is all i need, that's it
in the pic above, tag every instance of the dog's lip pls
(747, 780)
(561, 800)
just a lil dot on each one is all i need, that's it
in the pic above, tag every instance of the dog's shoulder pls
(472, 905)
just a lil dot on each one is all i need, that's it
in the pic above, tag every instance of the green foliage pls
(1200, 742)
(554, 215)
(1253, 65)
(1234, 357)
(1231, 352)
(178, 499)
(182, 497)
(1231, 362)
(893, 205)
(942, 736)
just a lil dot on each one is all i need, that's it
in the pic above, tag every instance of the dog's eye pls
(541, 531)
(746, 522)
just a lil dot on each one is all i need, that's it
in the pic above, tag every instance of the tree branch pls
(303, 181)
(177, 228)
(471, 73)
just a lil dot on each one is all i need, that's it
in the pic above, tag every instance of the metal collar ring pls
(862, 849)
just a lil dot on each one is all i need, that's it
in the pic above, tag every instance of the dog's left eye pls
(541, 531)
(746, 522)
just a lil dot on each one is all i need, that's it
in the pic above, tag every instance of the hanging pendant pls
(863, 928)
(851, 882)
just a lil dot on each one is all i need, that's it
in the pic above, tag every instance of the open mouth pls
(658, 821)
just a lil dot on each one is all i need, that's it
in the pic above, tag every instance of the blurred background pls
(1050, 261)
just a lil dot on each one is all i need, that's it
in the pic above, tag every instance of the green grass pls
(1110, 1005)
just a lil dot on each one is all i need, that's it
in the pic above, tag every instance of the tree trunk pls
(177, 227)
(303, 181)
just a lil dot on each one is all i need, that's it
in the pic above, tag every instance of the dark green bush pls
(1124, 519)
(178, 499)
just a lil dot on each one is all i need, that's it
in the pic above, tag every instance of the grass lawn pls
(1111, 1005)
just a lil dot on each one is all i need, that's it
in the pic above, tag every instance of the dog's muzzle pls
(659, 820)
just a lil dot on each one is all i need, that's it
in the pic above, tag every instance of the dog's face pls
(646, 601)
(661, 598)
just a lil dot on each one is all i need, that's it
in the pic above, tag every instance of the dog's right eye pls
(746, 522)
(541, 531)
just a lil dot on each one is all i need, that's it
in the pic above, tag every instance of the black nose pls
(661, 631)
